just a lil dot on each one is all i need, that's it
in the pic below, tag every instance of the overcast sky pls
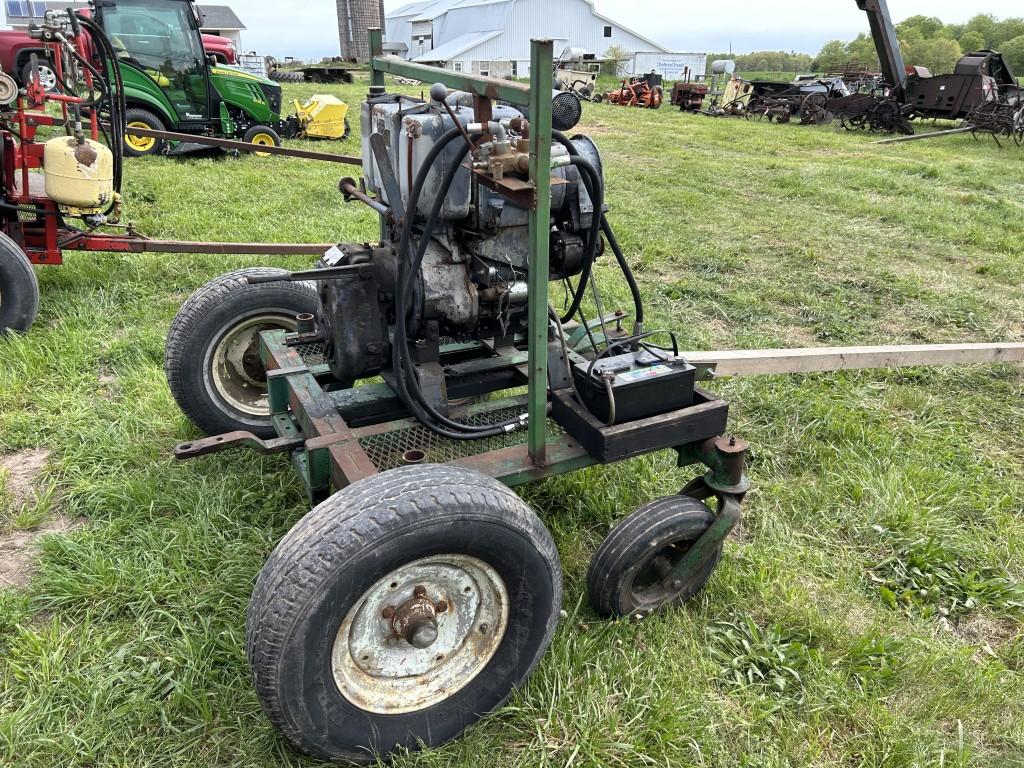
(308, 29)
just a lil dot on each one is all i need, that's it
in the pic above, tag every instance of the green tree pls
(1013, 52)
(972, 41)
(832, 56)
(985, 23)
(928, 26)
(1006, 30)
(939, 55)
(615, 60)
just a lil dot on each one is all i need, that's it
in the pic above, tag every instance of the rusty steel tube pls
(350, 190)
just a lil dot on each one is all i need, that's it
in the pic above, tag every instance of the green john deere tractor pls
(171, 85)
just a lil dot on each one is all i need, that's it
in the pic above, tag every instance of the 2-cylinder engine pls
(465, 246)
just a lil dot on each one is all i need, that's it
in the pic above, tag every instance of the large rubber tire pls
(47, 75)
(136, 146)
(208, 319)
(621, 580)
(19, 290)
(324, 569)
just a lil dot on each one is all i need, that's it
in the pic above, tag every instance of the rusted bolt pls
(419, 591)
(441, 606)
(388, 612)
(484, 629)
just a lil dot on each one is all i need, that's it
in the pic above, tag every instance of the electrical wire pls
(606, 228)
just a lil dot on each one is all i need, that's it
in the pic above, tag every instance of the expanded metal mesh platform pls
(387, 450)
(312, 354)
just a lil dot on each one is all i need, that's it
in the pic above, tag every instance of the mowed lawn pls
(867, 612)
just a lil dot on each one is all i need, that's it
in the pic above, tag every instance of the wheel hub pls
(420, 634)
(415, 620)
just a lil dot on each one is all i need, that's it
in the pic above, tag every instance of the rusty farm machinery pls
(62, 168)
(414, 380)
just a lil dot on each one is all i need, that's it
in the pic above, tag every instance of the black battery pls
(643, 384)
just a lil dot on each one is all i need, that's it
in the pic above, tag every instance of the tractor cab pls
(171, 84)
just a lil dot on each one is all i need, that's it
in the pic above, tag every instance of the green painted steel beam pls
(541, 83)
(376, 50)
(488, 87)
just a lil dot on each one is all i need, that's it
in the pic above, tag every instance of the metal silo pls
(355, 17)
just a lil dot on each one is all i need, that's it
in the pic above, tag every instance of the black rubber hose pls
(595, 188)
(407, 272)
(409, 385)
(114, 91)
(606, 227)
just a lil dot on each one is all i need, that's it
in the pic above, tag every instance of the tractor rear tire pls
(19, 290)
(624, 577)
(212, 354)
(336, 669)
(139, 146)
(264, 136)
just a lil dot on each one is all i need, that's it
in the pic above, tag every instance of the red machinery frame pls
(36, 222)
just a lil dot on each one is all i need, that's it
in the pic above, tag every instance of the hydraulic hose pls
(114, 92)
(408, 387)
(606, 227)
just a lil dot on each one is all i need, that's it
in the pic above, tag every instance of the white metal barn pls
(492, 37)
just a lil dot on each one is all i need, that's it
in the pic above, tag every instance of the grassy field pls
(866, 613)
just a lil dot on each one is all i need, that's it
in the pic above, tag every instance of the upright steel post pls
(376, 49)
(541, 84)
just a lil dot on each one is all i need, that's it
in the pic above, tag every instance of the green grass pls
(868, 612)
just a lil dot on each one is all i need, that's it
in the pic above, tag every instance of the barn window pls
(607, 31)
(458, 66)
(515, 68)
(485, 69)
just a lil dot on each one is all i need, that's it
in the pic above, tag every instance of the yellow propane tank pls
(322, 117)
(79, 174)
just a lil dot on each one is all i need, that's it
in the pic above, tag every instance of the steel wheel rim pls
(238, 379)
(140, 143)
(47, 78)
(380, 672)
(263, 140)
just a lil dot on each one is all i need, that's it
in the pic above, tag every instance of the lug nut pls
(388, 612)
(419, 591)
(441, 606)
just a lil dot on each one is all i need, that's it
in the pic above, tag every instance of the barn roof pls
(458, 45)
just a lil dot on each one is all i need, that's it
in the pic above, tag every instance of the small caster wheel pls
(628, 572)
(401, 611)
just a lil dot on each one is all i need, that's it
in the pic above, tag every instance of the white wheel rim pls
(232, 374)
(47, 78)
(379, 672)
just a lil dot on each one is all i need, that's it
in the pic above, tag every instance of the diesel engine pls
(452, 261)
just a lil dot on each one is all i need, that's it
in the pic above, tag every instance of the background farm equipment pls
(806, 100)
(689, 96)
(644, 92)
(61, 192)
(576, 72)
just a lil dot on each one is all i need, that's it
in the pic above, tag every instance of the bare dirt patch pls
(19, 551)
(19, 473)
(20, 480)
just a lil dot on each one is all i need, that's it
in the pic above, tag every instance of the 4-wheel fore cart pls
(420, 591)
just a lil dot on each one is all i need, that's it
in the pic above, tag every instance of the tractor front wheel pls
(212, 357)
(630, 573)
(400, 611)
(19, 290)
(140, 146)
(262, 136)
